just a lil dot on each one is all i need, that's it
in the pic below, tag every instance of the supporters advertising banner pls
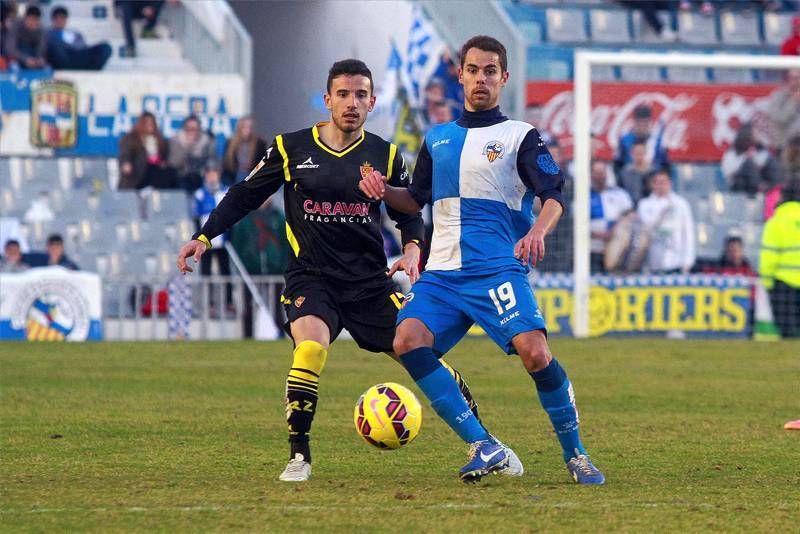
(71, 113)
(690, 306)
(51, 304)
(699, 122)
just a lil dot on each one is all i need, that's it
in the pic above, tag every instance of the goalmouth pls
(584, 61)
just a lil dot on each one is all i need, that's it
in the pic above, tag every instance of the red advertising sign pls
(699, 121)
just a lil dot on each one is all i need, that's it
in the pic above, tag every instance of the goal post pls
(583, 63)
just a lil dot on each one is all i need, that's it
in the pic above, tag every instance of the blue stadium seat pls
(604, 73)
(694, 28)
(777, 27)
(566, 26)
(739, 28)
(609, 26)
(532, 31)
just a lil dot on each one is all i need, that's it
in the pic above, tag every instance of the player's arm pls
(404, 199)
(241, 199)
(541, 174)
(411, 226)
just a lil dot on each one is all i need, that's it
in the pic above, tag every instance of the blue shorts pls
(449, 302)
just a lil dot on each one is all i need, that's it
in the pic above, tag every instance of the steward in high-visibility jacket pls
(779, 265)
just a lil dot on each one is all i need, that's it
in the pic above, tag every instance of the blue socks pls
(558, 400)
(443, 392)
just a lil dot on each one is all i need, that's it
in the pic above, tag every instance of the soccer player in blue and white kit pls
(481, 174)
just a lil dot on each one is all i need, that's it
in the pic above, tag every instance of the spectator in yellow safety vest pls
(780, 260)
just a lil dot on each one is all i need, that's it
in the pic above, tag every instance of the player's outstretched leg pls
(558, 400)
(413, 345)
(301, 404)
(514, 468)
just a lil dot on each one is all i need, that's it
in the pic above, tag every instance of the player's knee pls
(310, 356)
(411, 334)
(535, 356)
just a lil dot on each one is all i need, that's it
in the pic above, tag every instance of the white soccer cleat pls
(514, 467)
(297, 470)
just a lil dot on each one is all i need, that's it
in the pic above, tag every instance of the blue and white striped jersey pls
(480, 174)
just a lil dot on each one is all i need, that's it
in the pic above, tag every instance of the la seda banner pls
(696, 122)
(73, 113)
(51, 304)
(705, 306)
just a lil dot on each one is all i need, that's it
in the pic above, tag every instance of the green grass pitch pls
(191, 437)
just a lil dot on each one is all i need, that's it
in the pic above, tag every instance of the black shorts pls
(367, 311)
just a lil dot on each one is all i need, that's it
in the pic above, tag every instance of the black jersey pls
(331, 227)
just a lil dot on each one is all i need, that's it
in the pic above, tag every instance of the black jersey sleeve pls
(242, 198)
(538, 169)
(411, 226)
(422, 182)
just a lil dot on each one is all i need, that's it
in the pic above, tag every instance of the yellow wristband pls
(204, 240)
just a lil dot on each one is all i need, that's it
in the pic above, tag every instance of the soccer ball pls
(388, 416)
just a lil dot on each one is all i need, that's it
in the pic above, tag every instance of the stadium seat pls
(5, 172)
(697, 179)
(694, 28)
(609, 26)
(604, 73)
(734, 76)
(642, 32)
(630, 73)
(739, 28)
(566, 26)
(777, 27)
(687, 74)
(166, 205)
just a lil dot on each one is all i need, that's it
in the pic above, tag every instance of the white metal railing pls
(213, 39)
(219, 307)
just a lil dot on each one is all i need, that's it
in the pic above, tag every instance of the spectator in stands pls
(191, 151)
(650, 9)
(634, 176)
(66, 49)
(55, 255)
(143, 154)
(783, 109)
(779, 264)
(789, 164)
(11, 261)
(563, 162)
(733, 261)
(243, 152)
(25, 42)
(8, 19)
(668, 225)
(642, 132)
(40, 209)
(747, 165)
(791, 46)
(607, 205)
(206, 198)
(138, 9)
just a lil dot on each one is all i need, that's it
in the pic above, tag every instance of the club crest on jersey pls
(493, 150)
(547, 164)
(365, 169)
(299, 301)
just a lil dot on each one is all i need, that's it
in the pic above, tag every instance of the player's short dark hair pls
(349, 67)
(55, 239)
(59, 11)
(487, 44)
(33, 11)
(11, 242)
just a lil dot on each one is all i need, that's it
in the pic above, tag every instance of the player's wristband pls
(202, 238)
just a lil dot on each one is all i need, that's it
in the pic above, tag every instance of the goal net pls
(645, 252)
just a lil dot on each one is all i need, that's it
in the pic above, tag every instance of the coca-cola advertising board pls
(699, 121)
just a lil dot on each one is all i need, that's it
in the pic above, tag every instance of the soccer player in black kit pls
(336, 277)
